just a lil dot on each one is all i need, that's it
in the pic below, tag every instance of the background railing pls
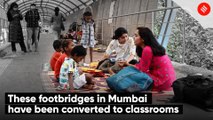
(188, 42)
(3, 31)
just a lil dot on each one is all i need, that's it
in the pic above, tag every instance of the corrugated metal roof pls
(46, 7)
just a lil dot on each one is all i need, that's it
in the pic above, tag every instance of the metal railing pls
(100, 35)
(3, 31)
(101, 20)
(102, 31)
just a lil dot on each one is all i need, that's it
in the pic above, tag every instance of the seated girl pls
(120, 48)
(70, 76)
(154, 60)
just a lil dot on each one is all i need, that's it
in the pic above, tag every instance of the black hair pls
(70, 30)
(150, 40)
(14, 4)
(139, 51)
(57, 9)
(87, 13)
(9, 16)
(61, 37)
(65, 44)
(69, 36)
(119, 32)
(33, 4)
(79, 51)
(57, 44)
(74, 26)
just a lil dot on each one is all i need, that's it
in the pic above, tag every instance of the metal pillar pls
(166, 27)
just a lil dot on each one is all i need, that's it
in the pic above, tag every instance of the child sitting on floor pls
(121, 48)
(67, 46)
(57, 47)
(70, 76)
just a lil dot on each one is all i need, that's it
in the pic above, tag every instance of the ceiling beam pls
(48, 8)
(83, 3)
(50, 1)
(73, 3)
(50, 4)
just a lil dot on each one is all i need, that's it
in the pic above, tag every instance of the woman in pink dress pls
(153, 59)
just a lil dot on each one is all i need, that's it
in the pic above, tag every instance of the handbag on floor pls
(129, 79)
(195, 89)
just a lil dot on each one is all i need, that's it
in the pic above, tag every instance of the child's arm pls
(70, 80)
(131, 57)
(132, 50)
(106, 56)
(109, 50)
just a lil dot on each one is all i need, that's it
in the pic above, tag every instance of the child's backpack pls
(196, 90)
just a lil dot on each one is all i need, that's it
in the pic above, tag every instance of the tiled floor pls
(4, 64)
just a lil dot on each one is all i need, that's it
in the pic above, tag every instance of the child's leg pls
(90, 82)
(80, 71)
(115, 69)
(85, 57)
(111, 72)
(105, 66)
(89, 79)
(91, 54)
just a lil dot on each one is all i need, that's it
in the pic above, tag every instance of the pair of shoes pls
(59, 88)
(85, 65)
(14, 54)
(23, 52)
(36, 50)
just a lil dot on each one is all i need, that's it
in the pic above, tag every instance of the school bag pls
(130, 80)
(194, 89)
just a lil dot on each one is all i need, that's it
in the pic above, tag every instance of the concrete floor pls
(22, 74)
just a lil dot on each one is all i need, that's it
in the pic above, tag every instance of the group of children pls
(121, 52)
(68, 54)
(64, 63)
(73, 33)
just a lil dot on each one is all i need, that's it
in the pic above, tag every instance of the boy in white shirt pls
(70, 76)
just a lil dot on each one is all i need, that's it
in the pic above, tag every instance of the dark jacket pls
(32, 18)
(10, 16)
(15, 28)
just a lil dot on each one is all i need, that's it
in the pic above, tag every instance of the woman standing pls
(57, 21)
(15, 30)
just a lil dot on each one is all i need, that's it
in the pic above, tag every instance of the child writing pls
(121, 48)
(67, 46)
(70, 76)
(58, 51)
(88, 35)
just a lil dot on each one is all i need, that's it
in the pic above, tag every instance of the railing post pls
(102, 31)
(184, 37)
(153, 20)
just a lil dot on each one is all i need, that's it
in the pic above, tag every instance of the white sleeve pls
(133, 47)
(110, 47)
